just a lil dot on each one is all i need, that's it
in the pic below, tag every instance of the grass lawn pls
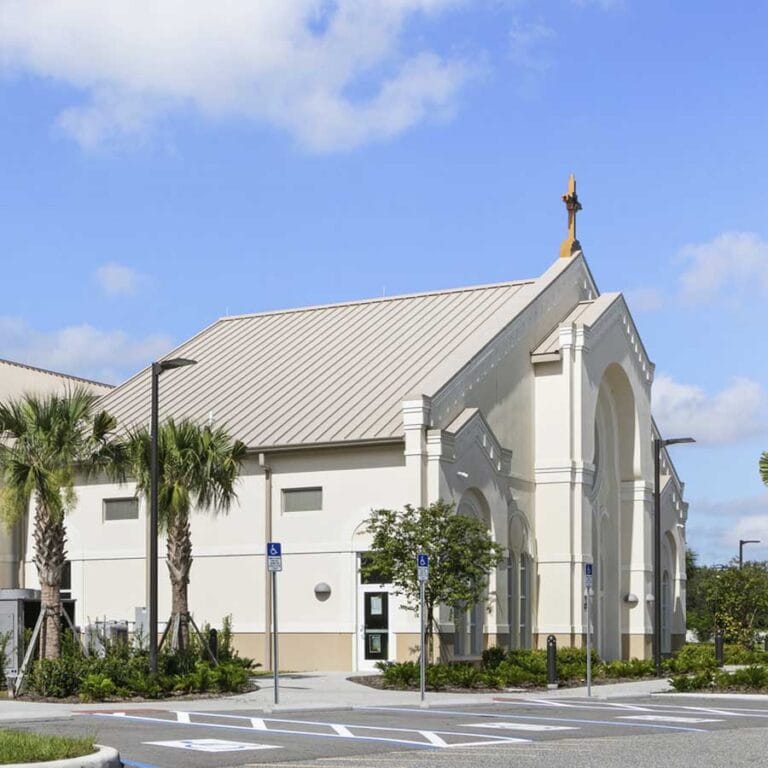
(23, 747)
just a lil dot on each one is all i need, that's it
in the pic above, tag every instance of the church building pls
(527, 404)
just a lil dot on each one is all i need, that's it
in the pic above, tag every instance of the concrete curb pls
(715, 696)
(106, 757)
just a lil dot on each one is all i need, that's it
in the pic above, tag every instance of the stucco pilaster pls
(415, 423)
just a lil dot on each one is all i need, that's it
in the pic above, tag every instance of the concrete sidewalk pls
(318, 690)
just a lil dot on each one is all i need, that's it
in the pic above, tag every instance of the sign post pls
(588, 607)
(274, 564)
(422, 564)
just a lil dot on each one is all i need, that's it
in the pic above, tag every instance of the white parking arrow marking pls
(668, 719)
(521, 726)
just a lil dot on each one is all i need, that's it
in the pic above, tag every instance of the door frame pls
(363, 664)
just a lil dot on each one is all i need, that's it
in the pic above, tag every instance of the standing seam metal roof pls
(317, 375)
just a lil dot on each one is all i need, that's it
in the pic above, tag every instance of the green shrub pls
(633, 668)
(753, 678)
(694, 657)
(57, 678)
(404, 674)
(493, 656)
(97, 687)
(738, 654)
(697, 682)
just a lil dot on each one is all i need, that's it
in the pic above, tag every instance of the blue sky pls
(166, 163)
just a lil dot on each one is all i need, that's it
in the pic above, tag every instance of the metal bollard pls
(551, 661)
(719, 648)
(213, 643)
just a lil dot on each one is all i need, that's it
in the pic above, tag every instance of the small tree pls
(461, 555)
(735, 600)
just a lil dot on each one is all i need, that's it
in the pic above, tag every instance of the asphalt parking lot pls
(517, 728)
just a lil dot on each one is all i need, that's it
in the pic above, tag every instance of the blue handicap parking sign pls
(422, 561)
(274, 549)
(588, 569)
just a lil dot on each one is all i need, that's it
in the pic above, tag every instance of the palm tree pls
(46, 440)
(764, 467)
(197, 466)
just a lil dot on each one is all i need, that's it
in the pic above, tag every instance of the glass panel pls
(121, 509)
(302, 499)
(524, 601)
(513, 599)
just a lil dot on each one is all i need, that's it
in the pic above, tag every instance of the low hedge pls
(501, 668)
(751, 679)
(123, 672)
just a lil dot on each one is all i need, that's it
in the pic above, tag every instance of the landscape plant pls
(47, 439)
(198, 468)
(461, 554)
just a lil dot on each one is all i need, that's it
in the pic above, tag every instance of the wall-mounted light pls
(631, 599)
(322, 591)
(463, 475)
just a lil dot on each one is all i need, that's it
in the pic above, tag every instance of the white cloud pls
(738, 411)
(118, 280)
(81, 350)
(528, 45)
(715, 527)
(733, 264)
(333, 74)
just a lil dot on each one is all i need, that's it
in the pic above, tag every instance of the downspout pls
(267, 469)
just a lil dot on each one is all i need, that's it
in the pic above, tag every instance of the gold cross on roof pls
(570, 245)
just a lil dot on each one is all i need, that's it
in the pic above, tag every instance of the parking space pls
(157, 737)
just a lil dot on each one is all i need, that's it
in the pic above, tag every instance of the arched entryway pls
(614, 460)
(469, 620)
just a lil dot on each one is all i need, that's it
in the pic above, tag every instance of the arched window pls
(519, 578)
(666, 605)
(513, 600)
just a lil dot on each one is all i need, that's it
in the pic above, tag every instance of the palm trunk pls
(50, 556)
(179, 551)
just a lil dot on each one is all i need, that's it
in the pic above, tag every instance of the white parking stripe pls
(668, 719)
(342, 730)
(521, 726)
(433, 738)
(183, 717)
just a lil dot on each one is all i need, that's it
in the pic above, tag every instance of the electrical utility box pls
(19, 611)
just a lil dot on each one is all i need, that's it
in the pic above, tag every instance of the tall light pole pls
(658, 444)
(157, 369)
(742, 542)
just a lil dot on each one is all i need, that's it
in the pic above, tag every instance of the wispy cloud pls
(733, 263)
(715, 527)
(736, 412)
(81, 350)
(529, 45)
(728, 269)
(335, 75)
(118, 280)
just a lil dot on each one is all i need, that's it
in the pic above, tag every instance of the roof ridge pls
(55, 373)
(377, 299)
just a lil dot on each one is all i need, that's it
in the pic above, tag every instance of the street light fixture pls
(742, 542)
(157, 369)
(658, 444)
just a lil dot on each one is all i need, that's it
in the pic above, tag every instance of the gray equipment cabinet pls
(19, 609)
